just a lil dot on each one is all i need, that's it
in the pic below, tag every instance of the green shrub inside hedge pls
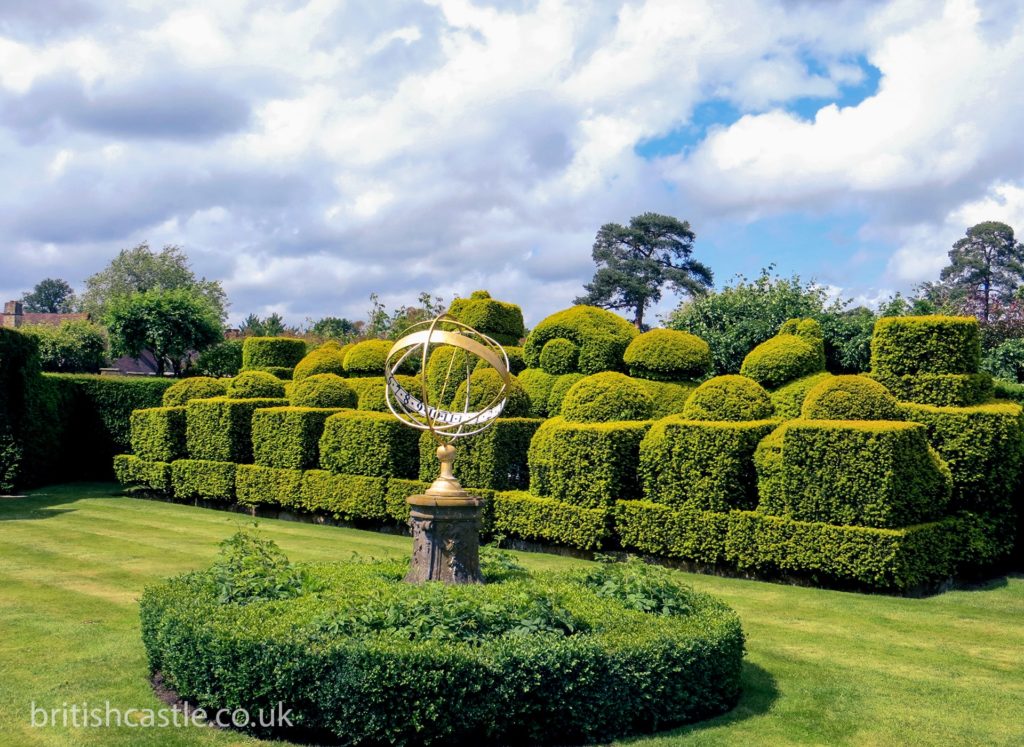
(267, 352)
(560, 356)
(201, 478)
(289, 437)
(731, 397)
(255, 385)
(850, 398)
(374, 444)
(538, 385)
(495, 459)
(606, 397)
(926, 344)
(484, 386)
(788, 399)
(198, 387)
(158, 433)
(328, 358)
(497, 319)
(668, 355)
(132, 471)
(785, 357)
(601, 336)
(940, 390)
(220, 429)
(583, 657)
(349, 497)
(367, 358)
(559, 388)
(370, 390)
(323, 390)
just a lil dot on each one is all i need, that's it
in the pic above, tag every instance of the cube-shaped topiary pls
(375, 444)
(850, 398)
(503, 322)
(495, 459)
(731, 397)
(267, 352)
(606, 397)
(668, 355)
(254, 385)
(586, 464)
(925, 345)
(199, 478)
(289, 437)
(530, 517)
(328, 358)
(701, 465)
(158, 433)
(198, 387)
(220, 429)
(132, 471)
(860, 473)
(323, 390)
(602, 337)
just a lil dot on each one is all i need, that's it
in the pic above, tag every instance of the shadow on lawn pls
(38, 504)
(759, 693)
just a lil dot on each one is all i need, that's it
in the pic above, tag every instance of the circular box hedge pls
(361, 657)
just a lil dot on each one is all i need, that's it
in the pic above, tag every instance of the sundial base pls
(445, 539)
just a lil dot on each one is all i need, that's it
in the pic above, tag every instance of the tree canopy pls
(985, 267)
(636, 261)
(50, 296)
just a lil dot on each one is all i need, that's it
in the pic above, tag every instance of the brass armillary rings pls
(416, 409)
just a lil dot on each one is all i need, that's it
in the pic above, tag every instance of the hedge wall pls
(200, 478)
(220, 429)
(158, 433)
(369, 443)
(940, 390)
(348, 497)
(289, 437)
(521, 514)
(152, 475)
(272, 352)
(926, 344)
(495, 459)
(268, 486)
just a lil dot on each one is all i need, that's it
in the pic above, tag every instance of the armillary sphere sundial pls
(445, 520)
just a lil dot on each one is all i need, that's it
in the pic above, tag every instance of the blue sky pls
(308, 154)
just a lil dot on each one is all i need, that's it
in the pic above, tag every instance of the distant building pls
(15, 316)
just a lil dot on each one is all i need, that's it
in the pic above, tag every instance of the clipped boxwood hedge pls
(158, 433)
(940, 390)
(606, 397)
(289, 437)
(783, 358)
(484, 387)
(323, 390)
(220, 429)
(559, 388)
(501, 321)
(198, 387)
(560, 356)
(367, 358)
(902, 345)
(788, 399)
(602, 337)
(370, 392)
(152, 475)
(850, 398)
(580, 657)
(201, 478)
(668, 355)
(328, 358)
(495, 459)
(253, 384)
(538, 385)
(272, 352)
(730, 397)
(268, 486)
(374, 444)
(521, 514)
(349, 497)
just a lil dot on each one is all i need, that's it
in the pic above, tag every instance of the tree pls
(334, 328)
(636, 262)
(273, 325)
(50, 296)
(141, 269)
(75, 346)
(252, 326)
(381, 323)
(985, 266)
(169, 323)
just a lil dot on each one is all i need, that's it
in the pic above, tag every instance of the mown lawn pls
(823, 667)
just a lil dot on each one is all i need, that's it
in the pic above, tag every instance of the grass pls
(823, 667)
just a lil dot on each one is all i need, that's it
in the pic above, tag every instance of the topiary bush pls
(133, 472)
(538, 385)
(602, 337)
(374, 444)
(254, 385)
(669, 397)
(328, 358)
(272, 352)
(370, 390)
(728, 397)
(158, 433)
(850, 398)
(668, 355)
(205, 479)
(528, 658)
(559, 388)
(926, 345)
(788, 399)
(606, 397)
(798, 350)
(367, 358)
(495, 459)
(220, 429)
(288, 437)
(484, 386)
(323, 390)
(560, 356)
(940, 390)
(503, 322)
(199, 387)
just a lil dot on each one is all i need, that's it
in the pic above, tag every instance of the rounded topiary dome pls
(783, 358)
(606, 397)
(198, 387)
(559, 356)
(601, 336)
(850, 398)
(484, 385)
(323, 390)
(328, 358)
(367, 358)
(255, 384)
(728, 398)
(668, 355)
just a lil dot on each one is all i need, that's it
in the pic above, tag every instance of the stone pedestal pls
(445, 523)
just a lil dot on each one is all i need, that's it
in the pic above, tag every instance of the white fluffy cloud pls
(310, 153)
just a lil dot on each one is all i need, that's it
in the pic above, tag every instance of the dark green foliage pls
(198, 387)
(925, 345)
(447, 367)
(252, 384)
(1005, 361)
(588, 464)
(668, 355)
(251, 568)
(500, 321)
(985, 267)
(668, 398)
(850, 398)
(875, 474)
(323, 390)
(601, 336)
(940, 390)
(484, 387)
(220, 429)
(1009, 390)
(346, 497)
(538, 385)
(369, 443)
(158, 433)
(328, 358)
(495, 459)
(77, 346)
(707, 466)
(278, 372)
(560, 356)
(798, 350)
(131, 471)
(520, 514)
(266, 352)
(559, 388)
(200, 478)
(373, 660)
(50, 296)
(367, 358)
(288, 437)
(516, 360)
(892, 560)
(221, 360)
(788, 399)
(729, 397)
(606, 397)
(397, 490)
(268, 486)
